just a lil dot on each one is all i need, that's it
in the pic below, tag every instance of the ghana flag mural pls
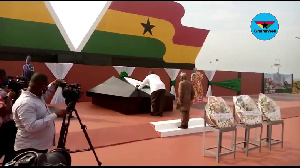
(148, 33)
(29, 24)
(134, 34)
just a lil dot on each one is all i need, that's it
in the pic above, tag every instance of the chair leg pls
(204, 142)
(219, 146)
(270, 137)
(260, 137)
(268, 130)
(232, 141)
(234, 146)
(282, 132)
(247, 140)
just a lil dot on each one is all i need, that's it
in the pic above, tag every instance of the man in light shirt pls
(35, 123)
(158, 91)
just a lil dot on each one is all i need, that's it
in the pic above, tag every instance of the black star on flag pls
(147, 27)
(264, 25)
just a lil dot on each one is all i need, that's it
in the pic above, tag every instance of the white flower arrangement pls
(268, 107)
(246, 110)
(218, 112)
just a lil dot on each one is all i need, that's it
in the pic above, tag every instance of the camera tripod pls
(64, 131)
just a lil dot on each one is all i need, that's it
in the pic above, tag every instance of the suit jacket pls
(186, 94)
(28, 71)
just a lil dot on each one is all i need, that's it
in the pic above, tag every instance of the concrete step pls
(170, 124)
(179, 131)
(170, 127)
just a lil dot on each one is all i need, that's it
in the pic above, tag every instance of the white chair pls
(247, 116)
(271, 116)
(218, 120)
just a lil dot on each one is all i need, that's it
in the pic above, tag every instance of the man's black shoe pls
(183, 127)
(154, 114)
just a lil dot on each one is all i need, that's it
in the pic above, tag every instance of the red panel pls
(222, 76)
(251, 83)
(167, 10)
(90, 76)
(87, 76)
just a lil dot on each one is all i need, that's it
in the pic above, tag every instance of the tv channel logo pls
(264, 26)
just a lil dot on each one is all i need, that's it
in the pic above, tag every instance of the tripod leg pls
(70, 115)
(63, 133)
(83, 127)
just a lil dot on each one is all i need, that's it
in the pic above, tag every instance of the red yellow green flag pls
(147, 29)
(29, 24)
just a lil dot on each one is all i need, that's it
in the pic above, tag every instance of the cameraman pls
(35, 123)
(8, 128)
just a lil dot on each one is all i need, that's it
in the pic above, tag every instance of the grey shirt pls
(34, 121)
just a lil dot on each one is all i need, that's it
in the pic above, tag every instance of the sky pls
(230, 39)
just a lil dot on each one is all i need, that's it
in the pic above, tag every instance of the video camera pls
(17, 83)
(71, 93)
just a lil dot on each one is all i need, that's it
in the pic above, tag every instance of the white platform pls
(170, 127)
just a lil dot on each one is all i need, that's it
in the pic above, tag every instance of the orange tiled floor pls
(187, 150)
(180, 150)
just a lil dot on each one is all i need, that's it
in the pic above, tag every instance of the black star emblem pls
(147, 27)
(264, 25)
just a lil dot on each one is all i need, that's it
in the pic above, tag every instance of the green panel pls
(127, 45)
(234, 84)
(19, 33)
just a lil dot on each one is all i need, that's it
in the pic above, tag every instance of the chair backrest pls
(270, 111)
(218, 112)
(246, 110)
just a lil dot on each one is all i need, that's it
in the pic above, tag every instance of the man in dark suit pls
(186, 94)
(28, 69)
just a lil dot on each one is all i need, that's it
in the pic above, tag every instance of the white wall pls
(230, 39)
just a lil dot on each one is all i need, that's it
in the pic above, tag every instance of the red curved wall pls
(91, 76)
